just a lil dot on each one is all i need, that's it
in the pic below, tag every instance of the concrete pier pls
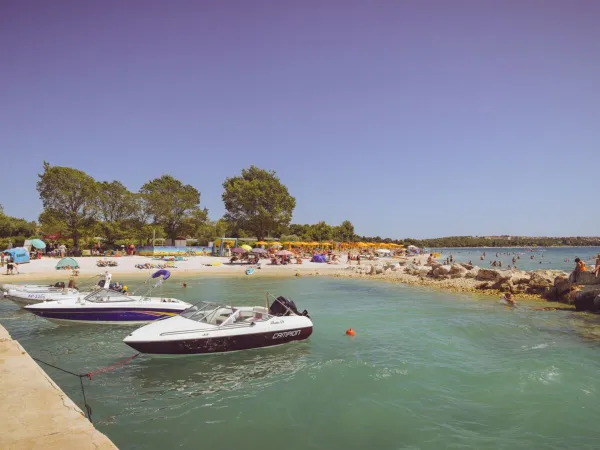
(34, 412)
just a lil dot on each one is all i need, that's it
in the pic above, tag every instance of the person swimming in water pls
(509, 299)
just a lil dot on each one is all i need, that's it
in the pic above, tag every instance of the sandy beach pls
(197, 265)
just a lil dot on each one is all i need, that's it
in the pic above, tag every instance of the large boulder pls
(440, 271)
(466, 265)
(584, 278)
(473, 272)
(588, 300)
(540, 282)
(560, 290)
(416, 270)
(488, 275)
(458, 271)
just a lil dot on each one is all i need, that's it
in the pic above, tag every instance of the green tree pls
(13, 226)
(344, 232)
(116, 209)
(169, 202)
(321, 231)
(69, 199)
(258, 202)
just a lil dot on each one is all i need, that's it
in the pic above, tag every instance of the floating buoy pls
(350, 332)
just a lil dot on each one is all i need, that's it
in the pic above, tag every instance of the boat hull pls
(222, 344)
(113, 316)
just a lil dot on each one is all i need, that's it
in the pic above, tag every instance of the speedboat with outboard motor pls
(215, 328)
(106, 306)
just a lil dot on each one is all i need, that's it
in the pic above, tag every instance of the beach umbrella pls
(275, 244)
(239, 250)
(67, 262)
(259, 251)
(326, 244)
(314, 244)
(246, 247)
(38, 244)
(284, 253)
(261, 243)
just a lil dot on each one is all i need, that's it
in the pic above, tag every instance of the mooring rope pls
(89, 375)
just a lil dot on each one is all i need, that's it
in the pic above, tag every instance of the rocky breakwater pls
(586, 293)
(553, 285)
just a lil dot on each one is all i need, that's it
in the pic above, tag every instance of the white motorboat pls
(25, 297)
(215, 328)
(8, 286)
(28, 294)
(106, 306)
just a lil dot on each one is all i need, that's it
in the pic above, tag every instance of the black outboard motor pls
(282, 307)
(60, 284)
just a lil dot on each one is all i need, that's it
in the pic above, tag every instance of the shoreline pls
(413, 271)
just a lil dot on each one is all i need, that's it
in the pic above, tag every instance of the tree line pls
(258, 205)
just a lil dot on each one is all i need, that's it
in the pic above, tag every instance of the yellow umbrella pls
(298, 244)
(313, 243)
(246, 247)
(273, 244)
(261, 243)
(326, 244)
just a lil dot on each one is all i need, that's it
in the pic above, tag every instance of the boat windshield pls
(107, 295)
(211, 313)
(216, 314)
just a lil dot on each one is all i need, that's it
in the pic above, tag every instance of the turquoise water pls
(555, 258)
(426, 370)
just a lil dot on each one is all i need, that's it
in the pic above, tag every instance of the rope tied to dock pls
(111, 367)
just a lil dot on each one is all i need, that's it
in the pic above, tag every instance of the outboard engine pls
(60, 284)
(283, 306)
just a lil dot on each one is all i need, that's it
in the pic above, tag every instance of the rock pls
(487, 275)
(418, 271)
(585, 278)
(483, 286)
(540, 280)
(440, 271)
(378, 270)
(560, 291)
(588, 300)
(472, 273)
(466, 266)
(517, 279)
(505, 287)
(458, 271)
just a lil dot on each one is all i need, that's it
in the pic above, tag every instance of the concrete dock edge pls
(34, 412)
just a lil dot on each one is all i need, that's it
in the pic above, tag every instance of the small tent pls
(70, 262)
(318, 258)
(18, 255)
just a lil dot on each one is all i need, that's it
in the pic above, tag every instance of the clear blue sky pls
(409, 118)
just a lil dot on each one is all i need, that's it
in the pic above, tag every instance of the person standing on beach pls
(597, 267)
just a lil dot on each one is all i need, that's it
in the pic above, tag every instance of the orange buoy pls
(350, 332)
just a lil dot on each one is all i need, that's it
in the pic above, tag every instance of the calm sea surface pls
(426, 370)
(560, 258)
